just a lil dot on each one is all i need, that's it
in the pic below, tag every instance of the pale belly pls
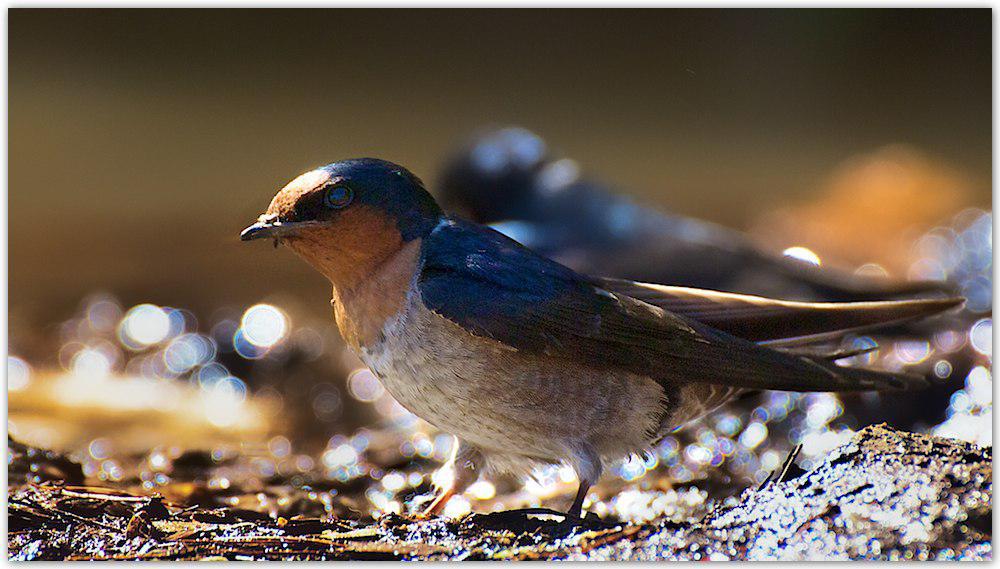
(508, 402)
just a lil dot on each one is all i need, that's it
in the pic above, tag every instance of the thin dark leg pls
(577, 508)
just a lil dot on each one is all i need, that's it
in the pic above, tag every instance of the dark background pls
(142, 141)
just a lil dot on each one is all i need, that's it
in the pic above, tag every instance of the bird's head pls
(494, 177)
(348, 216)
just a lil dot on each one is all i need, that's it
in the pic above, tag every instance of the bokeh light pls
(223, 402)
(364, 386)
(91, 363)
(753, 435)
(802, 254)
(981, 336)
(264, 325)
(18, 374)
(245, 348)
(188, 351)
(145, 325)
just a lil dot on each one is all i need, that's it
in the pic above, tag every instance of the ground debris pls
(886, 494)
(29, 464)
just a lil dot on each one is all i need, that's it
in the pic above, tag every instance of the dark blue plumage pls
(477, 276)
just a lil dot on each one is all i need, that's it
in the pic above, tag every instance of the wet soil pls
(886, 494)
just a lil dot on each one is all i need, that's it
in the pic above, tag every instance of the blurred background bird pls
(510, 178)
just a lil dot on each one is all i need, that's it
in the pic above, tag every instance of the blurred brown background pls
(142, 141)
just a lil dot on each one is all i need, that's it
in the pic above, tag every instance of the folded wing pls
(495, 288)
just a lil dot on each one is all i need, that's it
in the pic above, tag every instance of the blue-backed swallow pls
(526, 361)
(510, 178)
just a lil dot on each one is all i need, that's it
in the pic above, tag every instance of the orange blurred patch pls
(870, 209)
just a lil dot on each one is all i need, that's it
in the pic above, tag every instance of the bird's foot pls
(436, 507)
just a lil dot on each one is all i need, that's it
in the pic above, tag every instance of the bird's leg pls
(587, 464)
(576, 510)
(455, 476)
(437, 505)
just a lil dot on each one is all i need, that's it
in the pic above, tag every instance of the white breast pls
(506, 401)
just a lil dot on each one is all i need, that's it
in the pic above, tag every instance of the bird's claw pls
(436, 507)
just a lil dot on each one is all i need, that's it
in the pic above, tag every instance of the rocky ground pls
(887, 495)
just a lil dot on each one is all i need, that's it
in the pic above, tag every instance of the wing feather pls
(768, 320)
(495, 288)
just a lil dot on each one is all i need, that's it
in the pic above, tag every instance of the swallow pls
(527, 362)
(509, 178)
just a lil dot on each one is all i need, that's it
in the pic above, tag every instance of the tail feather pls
(749, 365)
(827, 353)
(862, 379)
(774, 321)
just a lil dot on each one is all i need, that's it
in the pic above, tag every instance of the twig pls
(789, 463)
(785, 467)
(57, 513)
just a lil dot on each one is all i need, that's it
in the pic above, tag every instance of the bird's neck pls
(363, 310)
(370, 268)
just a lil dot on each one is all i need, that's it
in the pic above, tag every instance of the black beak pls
(268, 226)
(259, 230)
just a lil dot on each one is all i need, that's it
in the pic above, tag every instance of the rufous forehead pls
(285, 199)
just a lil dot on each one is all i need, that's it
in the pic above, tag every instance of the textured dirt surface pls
(886, 494)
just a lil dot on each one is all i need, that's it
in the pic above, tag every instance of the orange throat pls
(371, 269)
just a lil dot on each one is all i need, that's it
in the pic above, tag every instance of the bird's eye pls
(338, 196)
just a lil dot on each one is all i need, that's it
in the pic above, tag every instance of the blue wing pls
(494, 287)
